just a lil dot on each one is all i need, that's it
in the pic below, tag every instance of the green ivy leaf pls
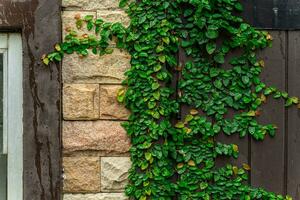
(214, 72)
(219, 58)
(216, 128)
(179, 125)
(245, 80)
(212, 34)
(238, 6)
(162, 58)
(166, 40)
(155, 86)
(123, 3)
(166, 5)
(157, 68)
(159, 49)
(142, 19)
(156, 95)
(203, 185)
(144, 166)
(211, 47)
(148, 156)
(151, 104)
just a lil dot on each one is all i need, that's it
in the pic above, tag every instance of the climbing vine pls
(176, 158)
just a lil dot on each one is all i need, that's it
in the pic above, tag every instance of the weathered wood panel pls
(267, 157)
(293, 117)
(275, 162)
(40, 25)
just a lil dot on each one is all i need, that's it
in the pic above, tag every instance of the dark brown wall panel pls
(293, 118)
(40, 24)
(275, 162)
(267, 157)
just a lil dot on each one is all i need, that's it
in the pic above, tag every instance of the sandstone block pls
(106, 137)
(69, 21)
(114, 173)
(81, 101)
(114, 16)
(100, 196)
(91, 4)
(82, 174)
(110, 108)
(109, 68)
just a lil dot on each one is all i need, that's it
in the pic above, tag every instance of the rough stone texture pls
(95, 69)
(91, 4)
(114, 173)
(69, 21)
(114, 16)
(107, 137)
(102, 196)
(81, 101)
(82, 174)
(84, 100)
(110, 108)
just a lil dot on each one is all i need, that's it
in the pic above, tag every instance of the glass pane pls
(3, 158)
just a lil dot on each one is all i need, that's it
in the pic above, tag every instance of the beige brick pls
(82, 174)
(109, 68)
(69, 22)
(91, 4)
(81, 101)
(114, 16)
(105, 137)
(114, 173)
(110, 108)
(100, 196)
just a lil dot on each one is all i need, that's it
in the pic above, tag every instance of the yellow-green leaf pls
(246, 167)
(191, 163)
(46, 61)
(179, 125)
(148, 156)
(180, 165)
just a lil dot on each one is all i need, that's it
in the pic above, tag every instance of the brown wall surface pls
(39, 23)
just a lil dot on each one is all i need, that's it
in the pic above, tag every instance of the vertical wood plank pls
(293, 118)
(267, 157)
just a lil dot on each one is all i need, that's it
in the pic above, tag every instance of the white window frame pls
(11, 47)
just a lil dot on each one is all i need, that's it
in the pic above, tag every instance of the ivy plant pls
(171, 158)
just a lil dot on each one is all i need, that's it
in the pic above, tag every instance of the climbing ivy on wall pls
(171, 158)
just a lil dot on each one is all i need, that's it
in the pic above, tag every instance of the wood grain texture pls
(40, 25)
(293, 118)
(267, 157)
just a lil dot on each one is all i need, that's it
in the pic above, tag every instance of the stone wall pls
(96, 159)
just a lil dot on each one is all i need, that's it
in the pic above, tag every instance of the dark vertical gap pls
(249, 158)
(181, 64)
(255, 13)
(286, 114)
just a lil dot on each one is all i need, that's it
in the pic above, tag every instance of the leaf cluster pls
(177, 159)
